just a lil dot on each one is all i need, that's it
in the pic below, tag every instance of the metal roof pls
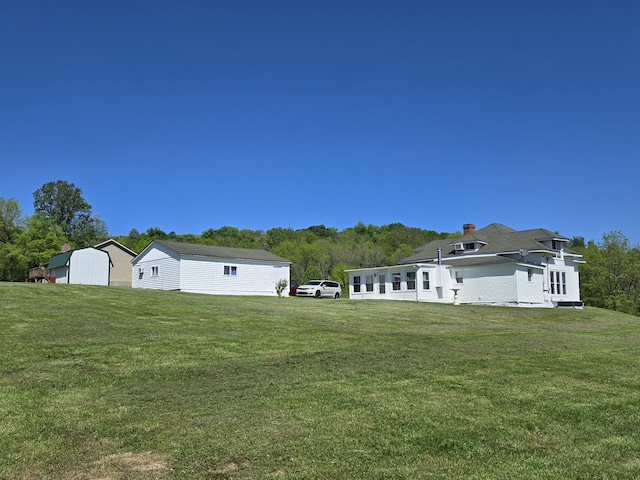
(59, 260)
(62, 259)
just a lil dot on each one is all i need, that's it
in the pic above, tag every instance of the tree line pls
(62, 215)
(610, 278)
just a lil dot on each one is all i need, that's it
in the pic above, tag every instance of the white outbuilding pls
(216, 270)
(84, 266)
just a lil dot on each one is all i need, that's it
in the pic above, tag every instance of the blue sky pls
(199, 114)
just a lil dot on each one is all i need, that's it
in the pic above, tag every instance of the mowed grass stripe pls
(120, 383)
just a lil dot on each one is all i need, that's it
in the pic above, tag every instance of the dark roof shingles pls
(497, 238)
(217, 251)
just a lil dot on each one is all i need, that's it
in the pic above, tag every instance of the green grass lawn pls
(113, 383)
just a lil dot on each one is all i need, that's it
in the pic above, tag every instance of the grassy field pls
(110, 383)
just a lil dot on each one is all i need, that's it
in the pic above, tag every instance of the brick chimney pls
(65, 247)
(468, 228)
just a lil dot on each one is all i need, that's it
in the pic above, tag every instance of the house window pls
(469, 246)
(230, 270)
(411, 280)
(458, 277)
(381, 283)
(154, 271)
(395, 280)
(425, 280)
(356, 283)
(368, 280)
(559, 283)
(530, 274)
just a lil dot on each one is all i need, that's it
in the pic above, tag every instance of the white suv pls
(320, 288)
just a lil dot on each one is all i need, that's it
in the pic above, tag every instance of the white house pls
(217, 270)
(86, 266)
(495, 265)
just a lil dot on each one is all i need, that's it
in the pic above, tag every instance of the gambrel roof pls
(493, 240)
(216, 251)
(62, 259)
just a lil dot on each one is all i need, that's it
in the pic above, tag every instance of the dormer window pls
(556, 245)
(462, 247)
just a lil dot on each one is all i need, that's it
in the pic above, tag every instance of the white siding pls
(206, 275)
(530, 291)
(435, 293)
(198, 274)
(490, 284)
(86, 266)
(61, 274)
(168, 271)
(439, 284)
(487, 284)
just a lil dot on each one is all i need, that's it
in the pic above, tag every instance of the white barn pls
(84, 266)
(216, 270)
(495, 265)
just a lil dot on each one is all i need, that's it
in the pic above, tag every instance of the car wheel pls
(318, 293)
(337, 295)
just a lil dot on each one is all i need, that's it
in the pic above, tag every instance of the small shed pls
(84, 266)
(121, 258)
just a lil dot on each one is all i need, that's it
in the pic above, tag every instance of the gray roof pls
(497, 239)
(217, 251)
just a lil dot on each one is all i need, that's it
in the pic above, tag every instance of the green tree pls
(63, 203)
(10, 219)
(154, 233)
(33, 246)
(611, 275)
(276, 236)
(13, 263)
(339, 274)
(87, 230)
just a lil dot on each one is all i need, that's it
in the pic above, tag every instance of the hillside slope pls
(104, 382)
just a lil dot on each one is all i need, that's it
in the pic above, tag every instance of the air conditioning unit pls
(458, 247)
